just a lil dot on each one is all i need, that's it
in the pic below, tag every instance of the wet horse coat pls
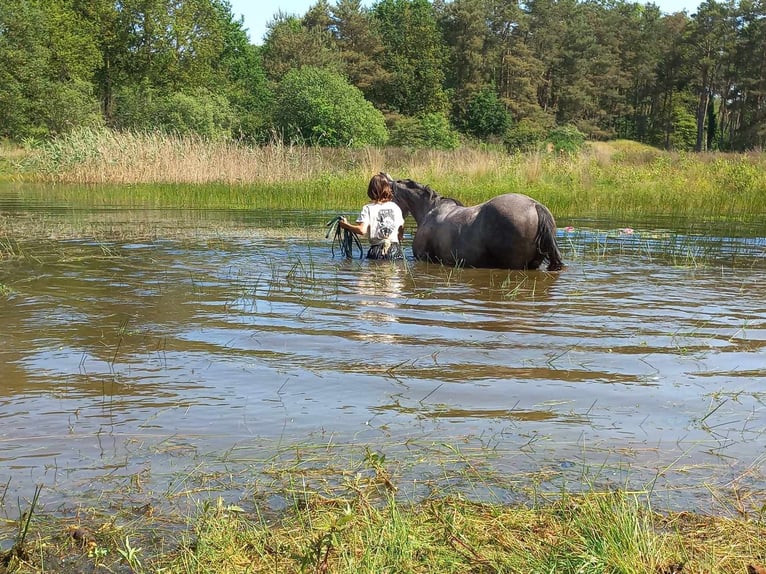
(510, 231)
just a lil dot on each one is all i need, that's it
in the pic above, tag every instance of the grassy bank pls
(364, 526)
(615, 178)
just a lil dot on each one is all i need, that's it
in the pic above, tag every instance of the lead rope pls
(344, 238)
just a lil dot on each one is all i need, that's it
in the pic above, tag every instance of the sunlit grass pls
(357, 519)
(616, 178)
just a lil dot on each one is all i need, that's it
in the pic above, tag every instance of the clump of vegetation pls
(196, 112)
(319, 107)
(362, 524)
(423, 132)
(621, 178)
(612, 72)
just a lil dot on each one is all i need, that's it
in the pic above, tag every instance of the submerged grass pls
(615, 178)
(364, 525)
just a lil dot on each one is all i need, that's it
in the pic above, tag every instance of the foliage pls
(613, 69)
(424, 131)
(45, 67)
(414, 55)
(526, 135)
(247, 88)
(567, 139)
(291, 44)
(321, 108)
(684, 134)
(197, 112)
(484, 115)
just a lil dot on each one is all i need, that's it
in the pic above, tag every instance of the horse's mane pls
(432, 193)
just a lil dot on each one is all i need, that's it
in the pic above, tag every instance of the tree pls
(290, 44)
(360, 45)
(48, 54)
(743, 122)
(485, 115)
(414, 55)
(469, 39)
(711, 36)
(246, 85)
(673, 77)
(320, 107)
(641, 48)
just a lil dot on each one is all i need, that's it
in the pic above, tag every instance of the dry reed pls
(625, 178)
(107, 157)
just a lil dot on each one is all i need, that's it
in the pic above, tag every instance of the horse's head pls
(400, 196)
(416, 198)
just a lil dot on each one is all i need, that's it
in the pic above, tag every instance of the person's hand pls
(342, 221)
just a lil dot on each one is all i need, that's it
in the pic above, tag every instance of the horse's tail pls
(545, 239)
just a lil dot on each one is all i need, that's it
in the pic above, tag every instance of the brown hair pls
(380, 188)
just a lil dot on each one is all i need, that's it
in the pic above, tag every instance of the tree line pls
(408, 72)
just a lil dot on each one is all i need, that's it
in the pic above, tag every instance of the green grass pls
(363, 524)
(617, 178)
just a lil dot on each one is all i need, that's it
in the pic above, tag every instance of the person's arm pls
(358, 228)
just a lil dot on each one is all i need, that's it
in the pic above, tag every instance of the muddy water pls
(141, 349)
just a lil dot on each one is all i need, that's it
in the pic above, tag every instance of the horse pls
(510, 231)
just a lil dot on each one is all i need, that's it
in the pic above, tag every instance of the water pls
(159, 353)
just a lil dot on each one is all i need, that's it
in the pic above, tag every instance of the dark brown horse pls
(510, 231)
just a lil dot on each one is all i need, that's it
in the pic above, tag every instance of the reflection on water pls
(125, 357)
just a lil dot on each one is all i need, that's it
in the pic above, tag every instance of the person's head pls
(380, 188)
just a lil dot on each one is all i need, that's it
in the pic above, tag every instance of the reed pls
(616, 178)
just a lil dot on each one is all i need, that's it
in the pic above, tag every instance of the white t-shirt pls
(383, 221)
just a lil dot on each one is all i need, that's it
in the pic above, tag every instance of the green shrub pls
(427, 131)
(484, 115)
(684, 134)
(320, 107)
(526, 135)
(565, 139)
(198, 112)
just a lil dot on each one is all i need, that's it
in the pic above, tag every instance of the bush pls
(423, 132)
(526, 135)
(71, 106)
(320, 107)
(684, 134)
(199, 112)
(565, 139)
(484, 115)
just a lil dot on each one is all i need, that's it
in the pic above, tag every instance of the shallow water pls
(149, 351)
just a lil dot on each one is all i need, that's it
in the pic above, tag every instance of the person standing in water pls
(380, 220)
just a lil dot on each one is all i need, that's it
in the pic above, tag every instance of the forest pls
(411, 73)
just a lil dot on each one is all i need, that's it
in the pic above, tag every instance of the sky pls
(258, 13)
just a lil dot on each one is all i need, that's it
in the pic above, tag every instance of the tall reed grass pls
(606, 178)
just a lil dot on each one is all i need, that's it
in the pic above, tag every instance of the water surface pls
(154, 349)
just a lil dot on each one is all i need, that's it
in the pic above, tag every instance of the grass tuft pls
(364, 524)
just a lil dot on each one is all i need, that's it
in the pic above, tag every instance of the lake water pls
(156, 353)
